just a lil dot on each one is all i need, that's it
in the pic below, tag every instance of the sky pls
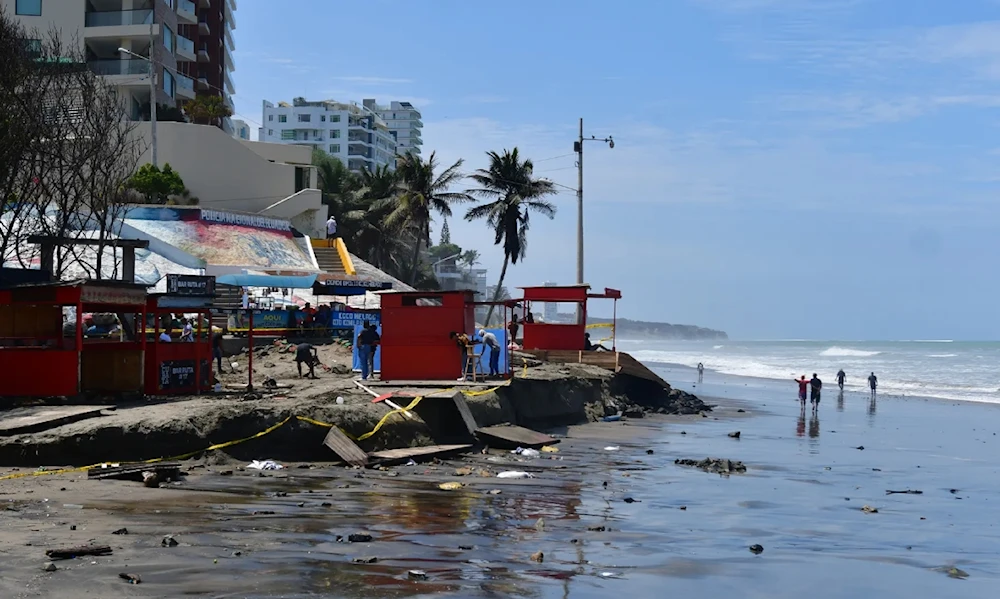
(822, 169)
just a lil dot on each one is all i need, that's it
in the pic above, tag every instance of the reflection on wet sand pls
(800, 426)
(814, 426)
(840, 401)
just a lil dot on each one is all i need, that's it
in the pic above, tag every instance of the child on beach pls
(803, 386)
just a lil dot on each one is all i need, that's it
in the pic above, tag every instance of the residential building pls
(403, 121)
(259, 178)
(354, 134)
(211, 33)
(241, 130)
(147, 29)
(550, 311)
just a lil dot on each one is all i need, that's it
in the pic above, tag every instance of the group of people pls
(815, 386)
(467, 344)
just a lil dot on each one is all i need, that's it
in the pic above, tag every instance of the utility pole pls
(578, 148)
(152, 82)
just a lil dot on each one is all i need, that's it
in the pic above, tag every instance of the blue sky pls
(782, 168)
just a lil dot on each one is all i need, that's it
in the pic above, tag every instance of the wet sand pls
(801, 499)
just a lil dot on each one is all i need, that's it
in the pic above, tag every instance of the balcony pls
(117, 66)
(355, 136)
(184, 87)
(203, 55)
(203, 83)
(228, 81)
(186, 12)
(232, 5)
(185, 49)
(119, 24)
(229, 38)
(230, 62)
(228, 100)
(203, 28)
(230, 15)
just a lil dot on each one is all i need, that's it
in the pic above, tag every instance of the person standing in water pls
(803, 386)
(873, 383)
(817, 386)
(841, 379)
(701, 371)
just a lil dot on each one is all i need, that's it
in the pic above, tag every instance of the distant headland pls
(662, 330)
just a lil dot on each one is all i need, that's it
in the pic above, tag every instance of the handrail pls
(345, 257)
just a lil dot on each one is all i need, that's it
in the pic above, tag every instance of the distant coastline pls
(661, 330)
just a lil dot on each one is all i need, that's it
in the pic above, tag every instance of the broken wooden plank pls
(416, 453)
(345, 448)
(71, 552)
(463, 409)
(167, 470)
(509, 437)
(40, 418)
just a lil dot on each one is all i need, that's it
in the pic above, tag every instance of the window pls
(288, 134)
(270, 117)
(33, 48)
(301, 178)
(168, 82)
(305, 135)
(335, 148)
(322, 117)
(28, 8)
(334, 133)
(270, 132)
(169, 40)
(282, 118)
(334, 118)
(305, 118)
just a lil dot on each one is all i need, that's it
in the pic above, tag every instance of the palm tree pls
(210, 109)
(511, 193)
(375, 239)
(421, 192)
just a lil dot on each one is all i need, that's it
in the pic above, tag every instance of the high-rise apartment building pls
(211, 33)
(354, 134)
(182, 39)
(403, 121)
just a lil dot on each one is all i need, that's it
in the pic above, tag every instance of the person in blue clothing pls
(490, 341)
(366, 342)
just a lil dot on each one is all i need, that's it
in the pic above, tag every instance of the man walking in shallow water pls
(873, 383)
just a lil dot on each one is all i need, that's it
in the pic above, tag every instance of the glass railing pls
(184, 82)
(114, 18)
(115, 66)
(185, 44)
(186, 6)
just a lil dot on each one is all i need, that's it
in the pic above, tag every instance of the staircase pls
(227, 297)
(327, 257)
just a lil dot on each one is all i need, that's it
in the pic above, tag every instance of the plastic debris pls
(614, 418)
(264, 465)
(515, 474)
(528, 453)
(550, 449)
(130, 578)
(450, 486)
(417, 574)
(612, 448)
(340, 401)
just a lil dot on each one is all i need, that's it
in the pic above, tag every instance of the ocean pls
(942, 369)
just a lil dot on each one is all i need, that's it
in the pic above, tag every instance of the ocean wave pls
(943, 356)
(846, 352)
(718, 346)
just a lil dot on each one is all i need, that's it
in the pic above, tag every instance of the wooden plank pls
(632, 367)
(345, 448)
(132, 471)
(508, 437)
(40, 418)
(416, 453)
(463, 409)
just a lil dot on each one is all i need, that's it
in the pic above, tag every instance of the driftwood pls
(71, 552)
(906, 492)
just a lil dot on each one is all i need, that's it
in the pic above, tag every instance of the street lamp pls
(152, 85)
(578, 148)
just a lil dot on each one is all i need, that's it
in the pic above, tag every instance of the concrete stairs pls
(329, 260)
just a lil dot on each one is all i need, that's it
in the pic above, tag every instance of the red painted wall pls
(415, 341)
(40, 372)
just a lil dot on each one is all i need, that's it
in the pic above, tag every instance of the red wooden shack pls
(178, 366)
(415, 333)
(560, 336)
(44, 358)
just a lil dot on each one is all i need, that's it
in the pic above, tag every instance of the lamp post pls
(578, 148)
(152, 82)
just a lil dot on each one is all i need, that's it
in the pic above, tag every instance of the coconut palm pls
(511, 192)
(208, 109)
(375, 239)
(422, 192)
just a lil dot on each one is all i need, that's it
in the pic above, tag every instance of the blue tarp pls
(356, 365)
(481, 349)
(284, 281)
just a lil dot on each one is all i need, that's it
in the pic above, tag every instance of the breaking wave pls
(846, 352)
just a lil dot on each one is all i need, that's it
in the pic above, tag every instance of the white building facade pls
(241, 130)
(403, 121)
(354, 134)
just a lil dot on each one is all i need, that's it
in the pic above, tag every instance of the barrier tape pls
(604, 324)
(266, 431)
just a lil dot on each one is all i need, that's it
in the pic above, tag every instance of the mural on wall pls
(226, 238)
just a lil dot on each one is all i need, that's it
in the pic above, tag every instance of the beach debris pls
(73, 527)
(120, 531)
(599, 528)
(906, 492)
(495, 491)
(741, 411)
(515, 474)
(263, 513)
(756, 549)
(365, 560)
(612, 448)
(450, 486)
(613, 418)
(876, 470)
(417, 574)
(683, 508)
(715, 465)
(860, 447)
(169, 541)
(264, 465)
(466, 547)
(869, 509)
(630, 500)
(528, 453)
(130, 578)
(683, 432)
(49, 567)
(237, 553)
(954, 572)
(538, 556)
(540, 525)
(734, 435)
(608, 575)
(71, 552)
(953, 491)
(359, 537)
(649, 452)
(151, 479)
(466, 471)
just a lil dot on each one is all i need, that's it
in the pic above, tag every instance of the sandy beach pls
(667, 528)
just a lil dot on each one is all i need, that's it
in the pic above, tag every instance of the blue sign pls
(350, 320)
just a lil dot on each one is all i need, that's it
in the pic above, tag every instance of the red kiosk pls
(45, 357)
(415, 326)
(559, 336)
(177, 366)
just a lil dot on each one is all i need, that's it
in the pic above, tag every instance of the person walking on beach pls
(873, 383)
(803, 386)
(306, 352)
(817, 386)
(490, 341)
(841, 378)
(701, 371)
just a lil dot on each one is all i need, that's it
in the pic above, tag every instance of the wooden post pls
(79, 342)
(614, 325)
(250, 353)
(128, 264)
(197, 355)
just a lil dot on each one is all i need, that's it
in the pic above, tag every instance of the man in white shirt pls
(165, 336)
(188, 333)
(331, 228)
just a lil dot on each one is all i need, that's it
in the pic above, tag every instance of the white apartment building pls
(354, 134)
(151, 30)
(403, 121)
(241, 130)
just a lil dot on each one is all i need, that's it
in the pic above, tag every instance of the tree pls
(207, 110)
(445, 234)
(422, 192)
(156, 185)
(470, 258)
(511, 192)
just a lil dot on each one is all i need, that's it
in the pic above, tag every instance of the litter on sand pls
(264, 465)
(515, 474)
(528, 453)
(452, 486)
(612, 448)
(550, 449)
